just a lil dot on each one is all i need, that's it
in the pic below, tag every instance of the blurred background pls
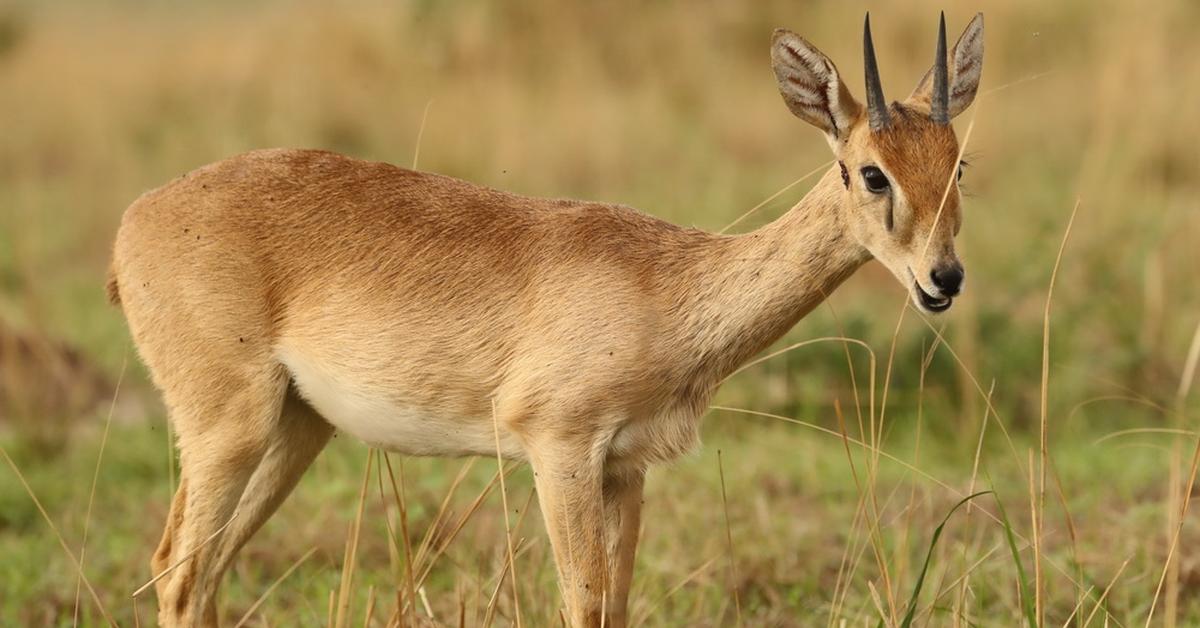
(671, 107)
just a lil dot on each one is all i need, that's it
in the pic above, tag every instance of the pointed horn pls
(876, 105)
(940, 99)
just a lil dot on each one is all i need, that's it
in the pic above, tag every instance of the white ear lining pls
(810, 84)
(967, 66)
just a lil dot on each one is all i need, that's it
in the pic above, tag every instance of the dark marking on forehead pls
(921, 156)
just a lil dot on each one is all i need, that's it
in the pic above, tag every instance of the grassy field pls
(826, 469)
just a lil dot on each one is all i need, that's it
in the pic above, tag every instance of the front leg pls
(623, 513)
(570, 486)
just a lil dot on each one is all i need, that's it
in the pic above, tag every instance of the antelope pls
(280, 295)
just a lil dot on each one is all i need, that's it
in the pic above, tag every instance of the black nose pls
(948, 279)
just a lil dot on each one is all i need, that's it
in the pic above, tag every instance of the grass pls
(791, 505)
(829, 466)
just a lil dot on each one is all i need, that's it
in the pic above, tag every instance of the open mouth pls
(930, 302)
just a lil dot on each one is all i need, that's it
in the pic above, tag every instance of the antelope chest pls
(669, 434)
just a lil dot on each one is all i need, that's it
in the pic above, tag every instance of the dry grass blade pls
(876, 441)
(370, 607)
(493, 601)
(867, 504)
(1020, 81)
(420, 134)
(271, 589)
(425, 604)
(1072, 530)
(805, 343)
(695, 573)
(392, 542)
(512, 563)
(883, 615)
(1037, 545)
(951, 180)
(978, 387)
(850, 365)
(925, 474)
(212, 537)
(1039, 507)
(462, 610)
(847, 341)
(847, 565)
(1175, 513)
(844, 578)
(87, 517)
(1078, 605)
(1129, 398)
(521, 548)
(1104, 595)
(911, 508)
(880, 526)
(1180, 518)
(61, 541)
(776, 195)
(1145, 430)
(960, 580)
(733, 577)
(458, 526)
(1189, 368)
(979, 445)
(348, 562)
(402, 503)
(427, 540)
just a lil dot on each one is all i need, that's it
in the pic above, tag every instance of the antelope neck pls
(759, 284)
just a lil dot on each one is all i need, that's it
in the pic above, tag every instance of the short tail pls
(111, 287)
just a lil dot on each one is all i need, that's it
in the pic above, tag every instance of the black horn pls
(940, 99)
(876, 105)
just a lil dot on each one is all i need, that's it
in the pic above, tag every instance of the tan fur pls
(282, 293)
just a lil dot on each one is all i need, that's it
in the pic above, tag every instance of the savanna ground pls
(815, 500)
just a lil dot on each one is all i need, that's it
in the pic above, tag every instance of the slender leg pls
(295, 441)
(222, 440)
(569, 486)
(166, 554)
(623, 510)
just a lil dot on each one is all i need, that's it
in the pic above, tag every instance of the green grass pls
(791, 502)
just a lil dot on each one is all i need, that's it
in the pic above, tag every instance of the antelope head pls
(900, 162)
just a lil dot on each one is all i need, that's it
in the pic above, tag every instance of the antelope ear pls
(811, 86)
(965, 65)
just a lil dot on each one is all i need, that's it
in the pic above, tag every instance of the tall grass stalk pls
(508, 541)
(350, 562)
(59, 537)
(87, 517)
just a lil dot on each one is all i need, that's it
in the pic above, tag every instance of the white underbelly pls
(384, 419)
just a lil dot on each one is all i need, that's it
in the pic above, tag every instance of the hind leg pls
(224, 434)
(165, 553)
(297, 438)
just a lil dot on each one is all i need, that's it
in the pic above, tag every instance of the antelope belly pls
(382, 418)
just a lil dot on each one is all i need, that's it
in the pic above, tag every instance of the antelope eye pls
(875, 180)
(961, 165)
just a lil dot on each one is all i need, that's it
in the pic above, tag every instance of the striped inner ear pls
(966, 66)
(809, 83)
(965, 70)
